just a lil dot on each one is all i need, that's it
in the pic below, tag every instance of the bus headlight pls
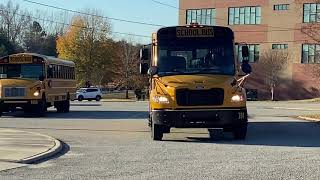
(36, 93)
(237, 98)
(161, 99)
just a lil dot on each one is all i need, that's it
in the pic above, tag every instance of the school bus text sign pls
(185, 32)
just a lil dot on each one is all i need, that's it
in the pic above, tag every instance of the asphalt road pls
(111, 141)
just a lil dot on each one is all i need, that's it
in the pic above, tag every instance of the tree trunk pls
(272, 93)
(127, 93)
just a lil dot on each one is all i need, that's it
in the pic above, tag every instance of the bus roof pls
(49, 59)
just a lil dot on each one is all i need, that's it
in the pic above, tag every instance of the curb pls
(55, 149)
(309, 119)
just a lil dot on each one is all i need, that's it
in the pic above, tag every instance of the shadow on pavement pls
(86, 104)
(74, 115)
(291, 134)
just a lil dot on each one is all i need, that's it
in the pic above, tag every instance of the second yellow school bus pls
(195, 80)
(35, 82)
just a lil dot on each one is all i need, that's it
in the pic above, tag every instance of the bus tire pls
(41, 108)
(1, 113)
(156, 132)
(59, 107)
(66, 106)
(240, 131)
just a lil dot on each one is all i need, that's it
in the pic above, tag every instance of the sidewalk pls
(19, 148)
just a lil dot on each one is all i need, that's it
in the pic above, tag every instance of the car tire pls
(156, 132)
(98, 98)
(80, 98)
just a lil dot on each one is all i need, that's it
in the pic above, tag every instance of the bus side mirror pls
(144, 54)
(144, 68)
(245, 51)
(245, 67)
(153, 71)
(41, 78)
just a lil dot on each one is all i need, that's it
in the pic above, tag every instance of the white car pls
(89, 94)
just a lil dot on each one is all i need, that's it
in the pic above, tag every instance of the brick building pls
(265, 25)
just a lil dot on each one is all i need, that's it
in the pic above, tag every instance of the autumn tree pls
(87, 42)
(273, 63)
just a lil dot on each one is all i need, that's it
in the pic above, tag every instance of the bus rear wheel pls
(63, 106)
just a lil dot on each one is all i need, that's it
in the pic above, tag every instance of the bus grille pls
(15, 92)
(211, 97)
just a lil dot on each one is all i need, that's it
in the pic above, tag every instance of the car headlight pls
(237, 98)
(36, 93)
(161, 99)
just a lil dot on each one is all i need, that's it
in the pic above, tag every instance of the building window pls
(253, 52)
(279, 46)
(310, 53)
(311, 12)
(281, 7)
(201, 16)
(244, 15)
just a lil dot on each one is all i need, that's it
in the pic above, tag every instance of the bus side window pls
(50, 71)
(73, 73)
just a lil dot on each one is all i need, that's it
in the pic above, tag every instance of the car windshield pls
(210, 59)
(29, 71)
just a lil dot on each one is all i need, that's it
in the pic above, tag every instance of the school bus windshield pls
(29, 71)
(190, 58)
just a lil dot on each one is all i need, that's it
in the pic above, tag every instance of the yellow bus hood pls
(197, 81)
(16, 82)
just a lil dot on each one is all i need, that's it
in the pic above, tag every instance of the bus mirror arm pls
(153, 70)
(41, 78)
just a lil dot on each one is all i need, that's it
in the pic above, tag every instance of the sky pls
(135, 10)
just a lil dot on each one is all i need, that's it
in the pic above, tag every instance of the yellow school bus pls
(195, 80)
(34, 82)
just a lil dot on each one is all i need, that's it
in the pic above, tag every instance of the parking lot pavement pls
(112, 141)
(18, 148)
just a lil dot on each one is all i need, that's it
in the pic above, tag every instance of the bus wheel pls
(59, 106)
(156, 132)
(240, 131)
(66, 106)
(41, 108)
(0, 113)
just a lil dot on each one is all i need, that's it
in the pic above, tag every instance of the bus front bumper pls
(7, 104)
(215, 118)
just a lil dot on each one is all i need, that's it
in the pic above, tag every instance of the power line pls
(83, 27)
(88, 14)
(168, 5)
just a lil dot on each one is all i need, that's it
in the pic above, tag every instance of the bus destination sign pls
(185, 32)
(20, 59)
